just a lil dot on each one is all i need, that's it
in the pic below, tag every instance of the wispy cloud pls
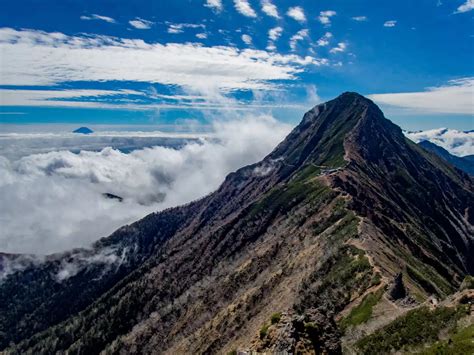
(243, 7)
(455, 97)
(298, 36)
(98, 17)
(201, 35)
(297, 14)
(41, 58)
(391, 23)
(269, 8)
(175, 28)
(467, 6)
(341, 47)
(324, 40)
(215, 5)
(325, 17)
(59, 98)
(141, 24)
(275, 33)
(360, 18)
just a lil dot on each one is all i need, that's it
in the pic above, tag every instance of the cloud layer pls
(456, 142)
(455, 97)
(41, 58)
(56, 202)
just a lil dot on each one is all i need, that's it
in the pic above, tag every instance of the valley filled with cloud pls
(54, 197)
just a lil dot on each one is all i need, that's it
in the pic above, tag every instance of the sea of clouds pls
(460, 143)
(52, 186)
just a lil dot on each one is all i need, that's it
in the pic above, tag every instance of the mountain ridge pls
(463, 163)
(339, 209)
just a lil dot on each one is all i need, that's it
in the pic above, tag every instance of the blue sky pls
(168, 62)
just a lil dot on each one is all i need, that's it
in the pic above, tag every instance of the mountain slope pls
(466, 164)
(340, 208)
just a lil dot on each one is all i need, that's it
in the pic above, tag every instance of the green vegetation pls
(424, 275)
(417, 327)
(468, 283)
(362, 313)
(345, 273)
(312, 331)
(264, 331)
(376, 279)
(308, 172)
(276, 317)
(460, 342)
(422, 281)
(283, 198)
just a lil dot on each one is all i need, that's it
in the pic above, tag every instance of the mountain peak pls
(83, 130)
(323, 135)
(348, 205)
(351, 97)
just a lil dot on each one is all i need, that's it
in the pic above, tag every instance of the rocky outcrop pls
(397, 290)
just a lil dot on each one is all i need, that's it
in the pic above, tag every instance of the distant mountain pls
(464, 163)
(318, 248)
(83, 130)
(459, 143)
(112, 196)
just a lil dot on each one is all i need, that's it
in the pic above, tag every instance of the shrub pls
(468, 283)
(362, 312)
(264, 331)
(275, 317)
(417, 327)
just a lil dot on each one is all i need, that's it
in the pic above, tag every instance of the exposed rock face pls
(345, 203)
(314, 332)
(398, 291)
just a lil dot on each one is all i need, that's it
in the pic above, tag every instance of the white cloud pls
(456, 142)
(360, 18)
(312, 95)
(455, 97)
(39, 58)
(69, 209)
(215, 5)
(275, 33)
(467, 6)
(141, 24)
(270, 9)
(202, 35)
(298, 36)
(98, 17)
(297, 14)
(244, 8)
(325, 17)
(391, 23)
(271, 46)
(175, 28)
(341, 47)
(247, 39)
(13, 97)
(324, 40)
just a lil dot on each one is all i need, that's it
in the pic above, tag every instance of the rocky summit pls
(348, 237)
